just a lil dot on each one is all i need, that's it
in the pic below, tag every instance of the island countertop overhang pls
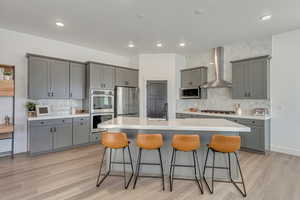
(214, 125)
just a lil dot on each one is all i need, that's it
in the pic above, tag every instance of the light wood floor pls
(72, 174)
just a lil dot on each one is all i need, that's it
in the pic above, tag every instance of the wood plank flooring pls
(72, 174)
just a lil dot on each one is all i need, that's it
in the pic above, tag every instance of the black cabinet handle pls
(51, 130)
(49, 94)
(52, 94)
(71, 94)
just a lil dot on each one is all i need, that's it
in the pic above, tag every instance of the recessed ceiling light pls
(159, 44)
(198, 12)
(182, 44)
(131, 45)
(265, 17)
(59, 24)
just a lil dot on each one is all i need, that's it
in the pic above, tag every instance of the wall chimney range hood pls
(217, 60)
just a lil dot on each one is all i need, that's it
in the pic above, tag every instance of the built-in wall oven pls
(97, 118)
(102, 101)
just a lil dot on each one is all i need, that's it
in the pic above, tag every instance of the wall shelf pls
(7, 89)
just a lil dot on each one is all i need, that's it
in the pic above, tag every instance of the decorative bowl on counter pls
(193, 109)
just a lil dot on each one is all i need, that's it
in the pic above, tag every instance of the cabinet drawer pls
(81, 119)
(51, 122)
(251, 121)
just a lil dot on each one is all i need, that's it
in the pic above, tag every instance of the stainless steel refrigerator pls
(126, 101)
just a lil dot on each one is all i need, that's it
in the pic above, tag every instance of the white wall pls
(14, 46)
(160, 67)
(285, 93)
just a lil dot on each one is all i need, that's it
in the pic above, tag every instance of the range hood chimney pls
(217, 60)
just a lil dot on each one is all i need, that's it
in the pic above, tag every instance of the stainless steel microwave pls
(191, 93)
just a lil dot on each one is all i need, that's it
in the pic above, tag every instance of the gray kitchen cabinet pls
(47, 78)
(62, 136)
(81, 130)
(194, 77)
(257, 140)
(59, 78)
(127, 77)
(38, 83)
(101, 76)
(77, 80)
(95, 138)
(250, 78)
(40, 138)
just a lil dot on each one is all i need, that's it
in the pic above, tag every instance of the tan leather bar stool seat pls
(186, 142)
(149, 141)
(114, 140)
(225, 144)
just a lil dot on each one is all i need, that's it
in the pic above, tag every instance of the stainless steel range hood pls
(217, 61)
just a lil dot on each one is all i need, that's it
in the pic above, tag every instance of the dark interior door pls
(157, 99)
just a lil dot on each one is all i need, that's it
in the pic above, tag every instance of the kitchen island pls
(204, 127)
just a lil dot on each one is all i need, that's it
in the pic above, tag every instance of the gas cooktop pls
(226, 112)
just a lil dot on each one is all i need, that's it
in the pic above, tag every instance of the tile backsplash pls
(60, 106)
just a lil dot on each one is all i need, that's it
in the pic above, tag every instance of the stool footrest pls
(121, 163)
(176, 165)
(145, 176)
(217, 167)
(149, 164)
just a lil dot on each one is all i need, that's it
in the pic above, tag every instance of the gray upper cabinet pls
(38, 80)
(77, 80)
(59, 79)
(47, 78)
(250, 78)
(127, 77)
(101, 76)
(194, 77)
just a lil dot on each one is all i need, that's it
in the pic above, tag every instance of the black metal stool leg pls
(244, 193)
(173, 170)
(162, 169)
(101, 164)
(199, 181)
(171, 167)
(132, 170)
(205, 166)
(138, 165)
(124, 168)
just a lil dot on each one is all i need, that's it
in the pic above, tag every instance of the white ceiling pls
(109, 25)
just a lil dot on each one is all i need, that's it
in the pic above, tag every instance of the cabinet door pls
(38, 79)
(255, 140)
(59, 79)
(40, 139)
(77, 80)
(62, 136)
(186, 79)
(81, 132)
(107, 77)
(238, 81)
(95, 137)
(258, 79)
(126, 77)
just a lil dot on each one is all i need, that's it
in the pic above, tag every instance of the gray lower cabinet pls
(40, 138)
(81, 130)
(251, 78)
(101, 76)
(257, 140)
(62, 136)
(127, 77)
(77, 80)
(57, 134)
(95, 138)
(194, 77)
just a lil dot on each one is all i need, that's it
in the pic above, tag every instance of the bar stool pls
(186, 143)
(115, 141)
(227, 145)
(149, 142)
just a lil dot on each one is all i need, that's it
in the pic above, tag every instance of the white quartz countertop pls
(58, 116)
(175, 124)
(243, 116)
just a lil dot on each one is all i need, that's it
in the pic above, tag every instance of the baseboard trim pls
(295, 152)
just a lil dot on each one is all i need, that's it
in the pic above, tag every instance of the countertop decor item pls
(238, 109)
(31, 108)
(193, 109)
(7, 120)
